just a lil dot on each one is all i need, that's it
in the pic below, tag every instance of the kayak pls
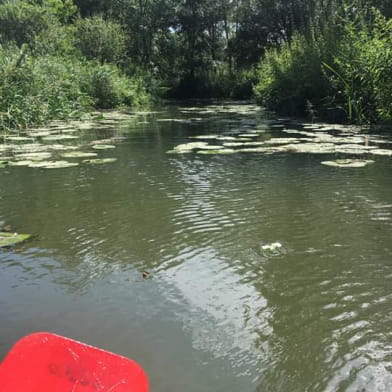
(45, 362)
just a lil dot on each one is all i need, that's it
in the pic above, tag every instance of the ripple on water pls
(313, 315)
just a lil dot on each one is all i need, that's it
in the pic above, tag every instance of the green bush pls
(57, 39)
(33, 90)
(109, 87)
(36, 89)
(291, 78)
(100, 39)
(21, 21)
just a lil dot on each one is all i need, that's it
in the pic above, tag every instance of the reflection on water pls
(219, 313)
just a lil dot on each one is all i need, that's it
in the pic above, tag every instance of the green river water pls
(218, 312)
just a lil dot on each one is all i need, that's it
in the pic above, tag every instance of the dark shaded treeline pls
(300, 57)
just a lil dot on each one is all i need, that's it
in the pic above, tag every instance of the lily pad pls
(59, 137)
(20, 163)
(211, 147)
(30, 148)
(190, 146)
(57, 165)
(103, 147)
(99, 161)
(243, 144)
(283, 140)
(34, 164)
(310, 148)
(380, 151)
(19, 138)
(39, 134)
(250, 135)
(178, 152)
(79, 154)
(265, 150)
(61, 147)
(34, 156)
(205, 137)
(222, 151)
(10, 239)
(347, 163)
(227, 138)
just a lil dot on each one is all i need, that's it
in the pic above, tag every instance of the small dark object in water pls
(145, 274)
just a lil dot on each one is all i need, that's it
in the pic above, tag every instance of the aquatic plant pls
(10, 239)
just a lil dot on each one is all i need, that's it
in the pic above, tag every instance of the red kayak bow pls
(44, 362)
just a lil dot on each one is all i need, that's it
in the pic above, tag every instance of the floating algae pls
(347, 163)
(10, 239)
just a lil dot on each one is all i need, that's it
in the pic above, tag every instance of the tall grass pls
(344, 74)
(361, 70)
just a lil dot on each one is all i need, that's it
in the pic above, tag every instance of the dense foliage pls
(340, 72)
(318, 58)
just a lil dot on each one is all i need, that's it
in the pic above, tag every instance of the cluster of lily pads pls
(61, 143)
(275, 138)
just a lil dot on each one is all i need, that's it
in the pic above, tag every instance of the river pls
(267, 272)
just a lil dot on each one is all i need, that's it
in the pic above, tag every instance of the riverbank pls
(36, 89)
(61, 59)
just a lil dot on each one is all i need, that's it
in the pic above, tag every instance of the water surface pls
(218, 313)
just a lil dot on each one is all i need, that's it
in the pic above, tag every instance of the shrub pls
(21, 21)
(36, 89)
(100, 39)
(291, 78)
(33, 90)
